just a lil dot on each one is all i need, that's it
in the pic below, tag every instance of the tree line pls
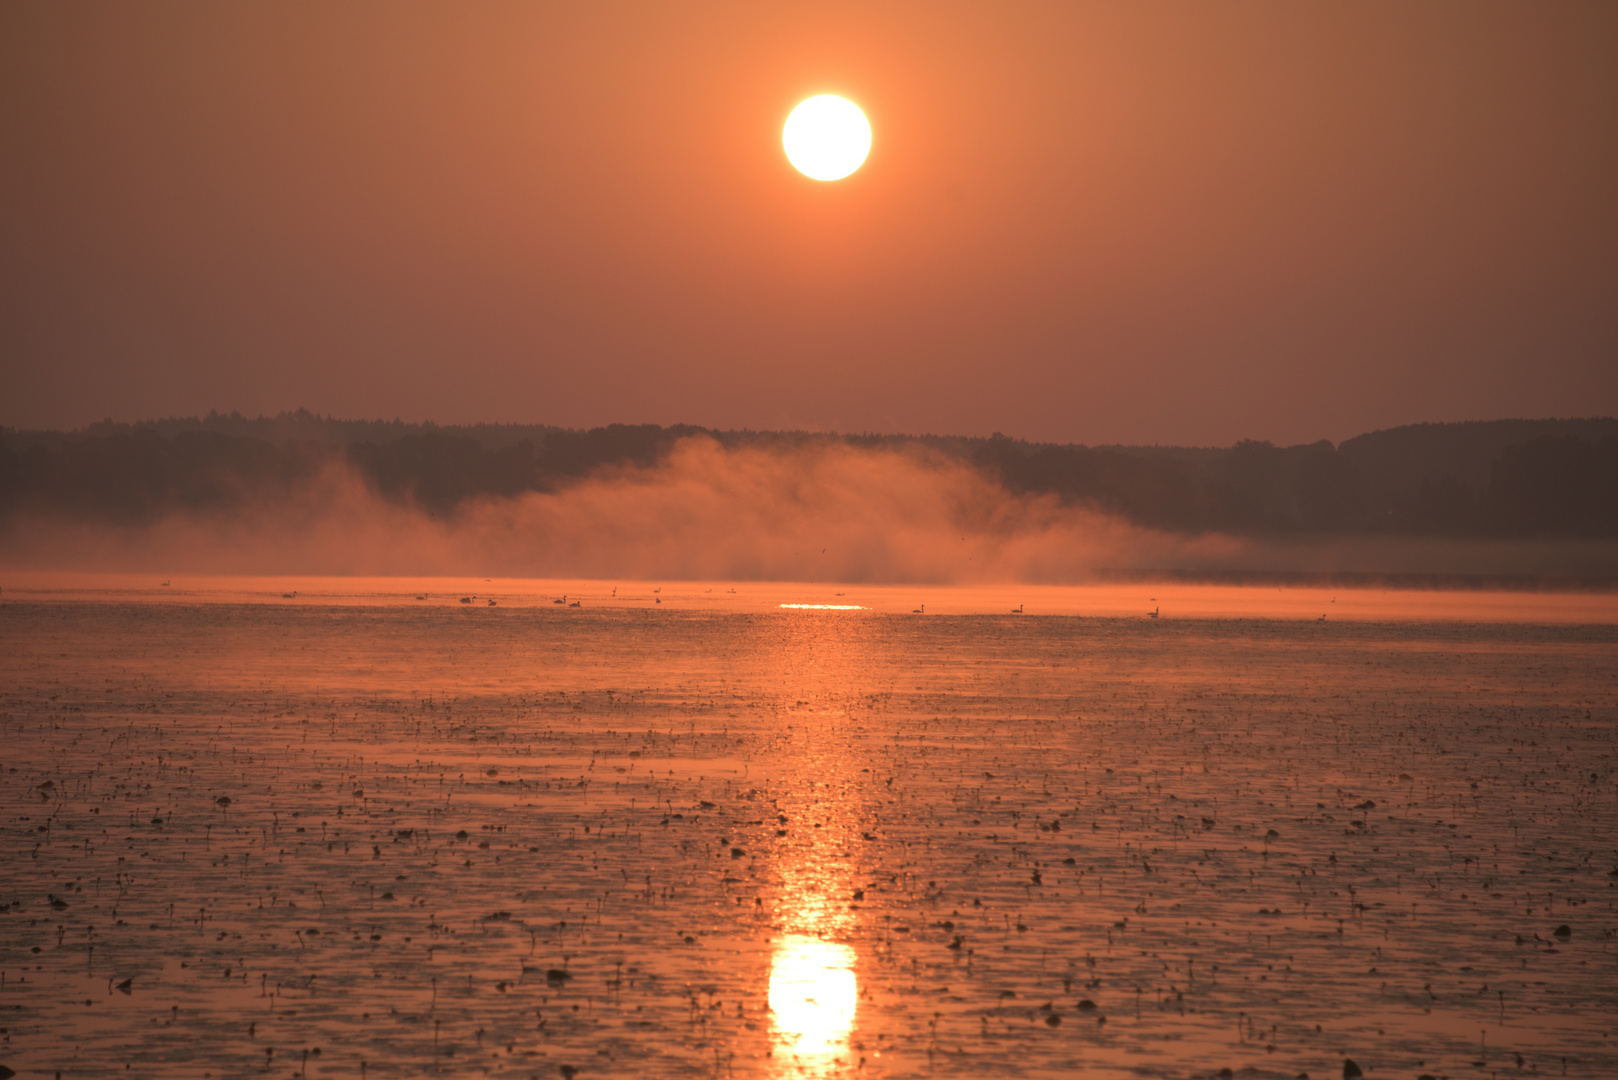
(1509, 478)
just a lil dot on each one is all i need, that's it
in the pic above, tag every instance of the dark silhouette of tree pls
(1156, 493)
(1517, 478)
(1555, 486)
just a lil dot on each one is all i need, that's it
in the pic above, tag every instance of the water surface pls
(713, 837)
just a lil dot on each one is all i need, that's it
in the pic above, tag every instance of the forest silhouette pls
(1548, 479)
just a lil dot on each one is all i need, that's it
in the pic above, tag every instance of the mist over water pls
(826, 512)
(817, 511)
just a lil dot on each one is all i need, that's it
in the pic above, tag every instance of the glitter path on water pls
(651, 841)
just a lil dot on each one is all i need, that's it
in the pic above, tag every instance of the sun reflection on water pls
(813, 995)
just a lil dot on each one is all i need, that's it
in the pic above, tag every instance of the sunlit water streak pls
(813, 997)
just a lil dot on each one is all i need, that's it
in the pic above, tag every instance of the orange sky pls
(1139, 223)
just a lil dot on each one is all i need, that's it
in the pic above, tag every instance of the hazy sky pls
(1129, 222)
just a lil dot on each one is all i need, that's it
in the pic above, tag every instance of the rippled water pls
(340, 840)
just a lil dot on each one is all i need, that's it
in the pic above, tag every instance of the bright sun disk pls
(826, 137)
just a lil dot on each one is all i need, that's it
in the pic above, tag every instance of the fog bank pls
(823, 511)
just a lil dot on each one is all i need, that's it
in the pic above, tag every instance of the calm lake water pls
(357, 834)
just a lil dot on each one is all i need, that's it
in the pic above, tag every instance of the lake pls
(323, 827)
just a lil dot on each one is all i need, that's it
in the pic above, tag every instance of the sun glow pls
(813, 995)
(826, 137)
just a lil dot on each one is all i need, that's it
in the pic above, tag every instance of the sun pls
(826, 137)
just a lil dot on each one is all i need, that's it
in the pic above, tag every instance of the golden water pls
(712, 837)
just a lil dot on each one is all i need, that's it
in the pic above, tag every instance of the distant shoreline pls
(1548, 583)
(1155, 602)
(1494, 480)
